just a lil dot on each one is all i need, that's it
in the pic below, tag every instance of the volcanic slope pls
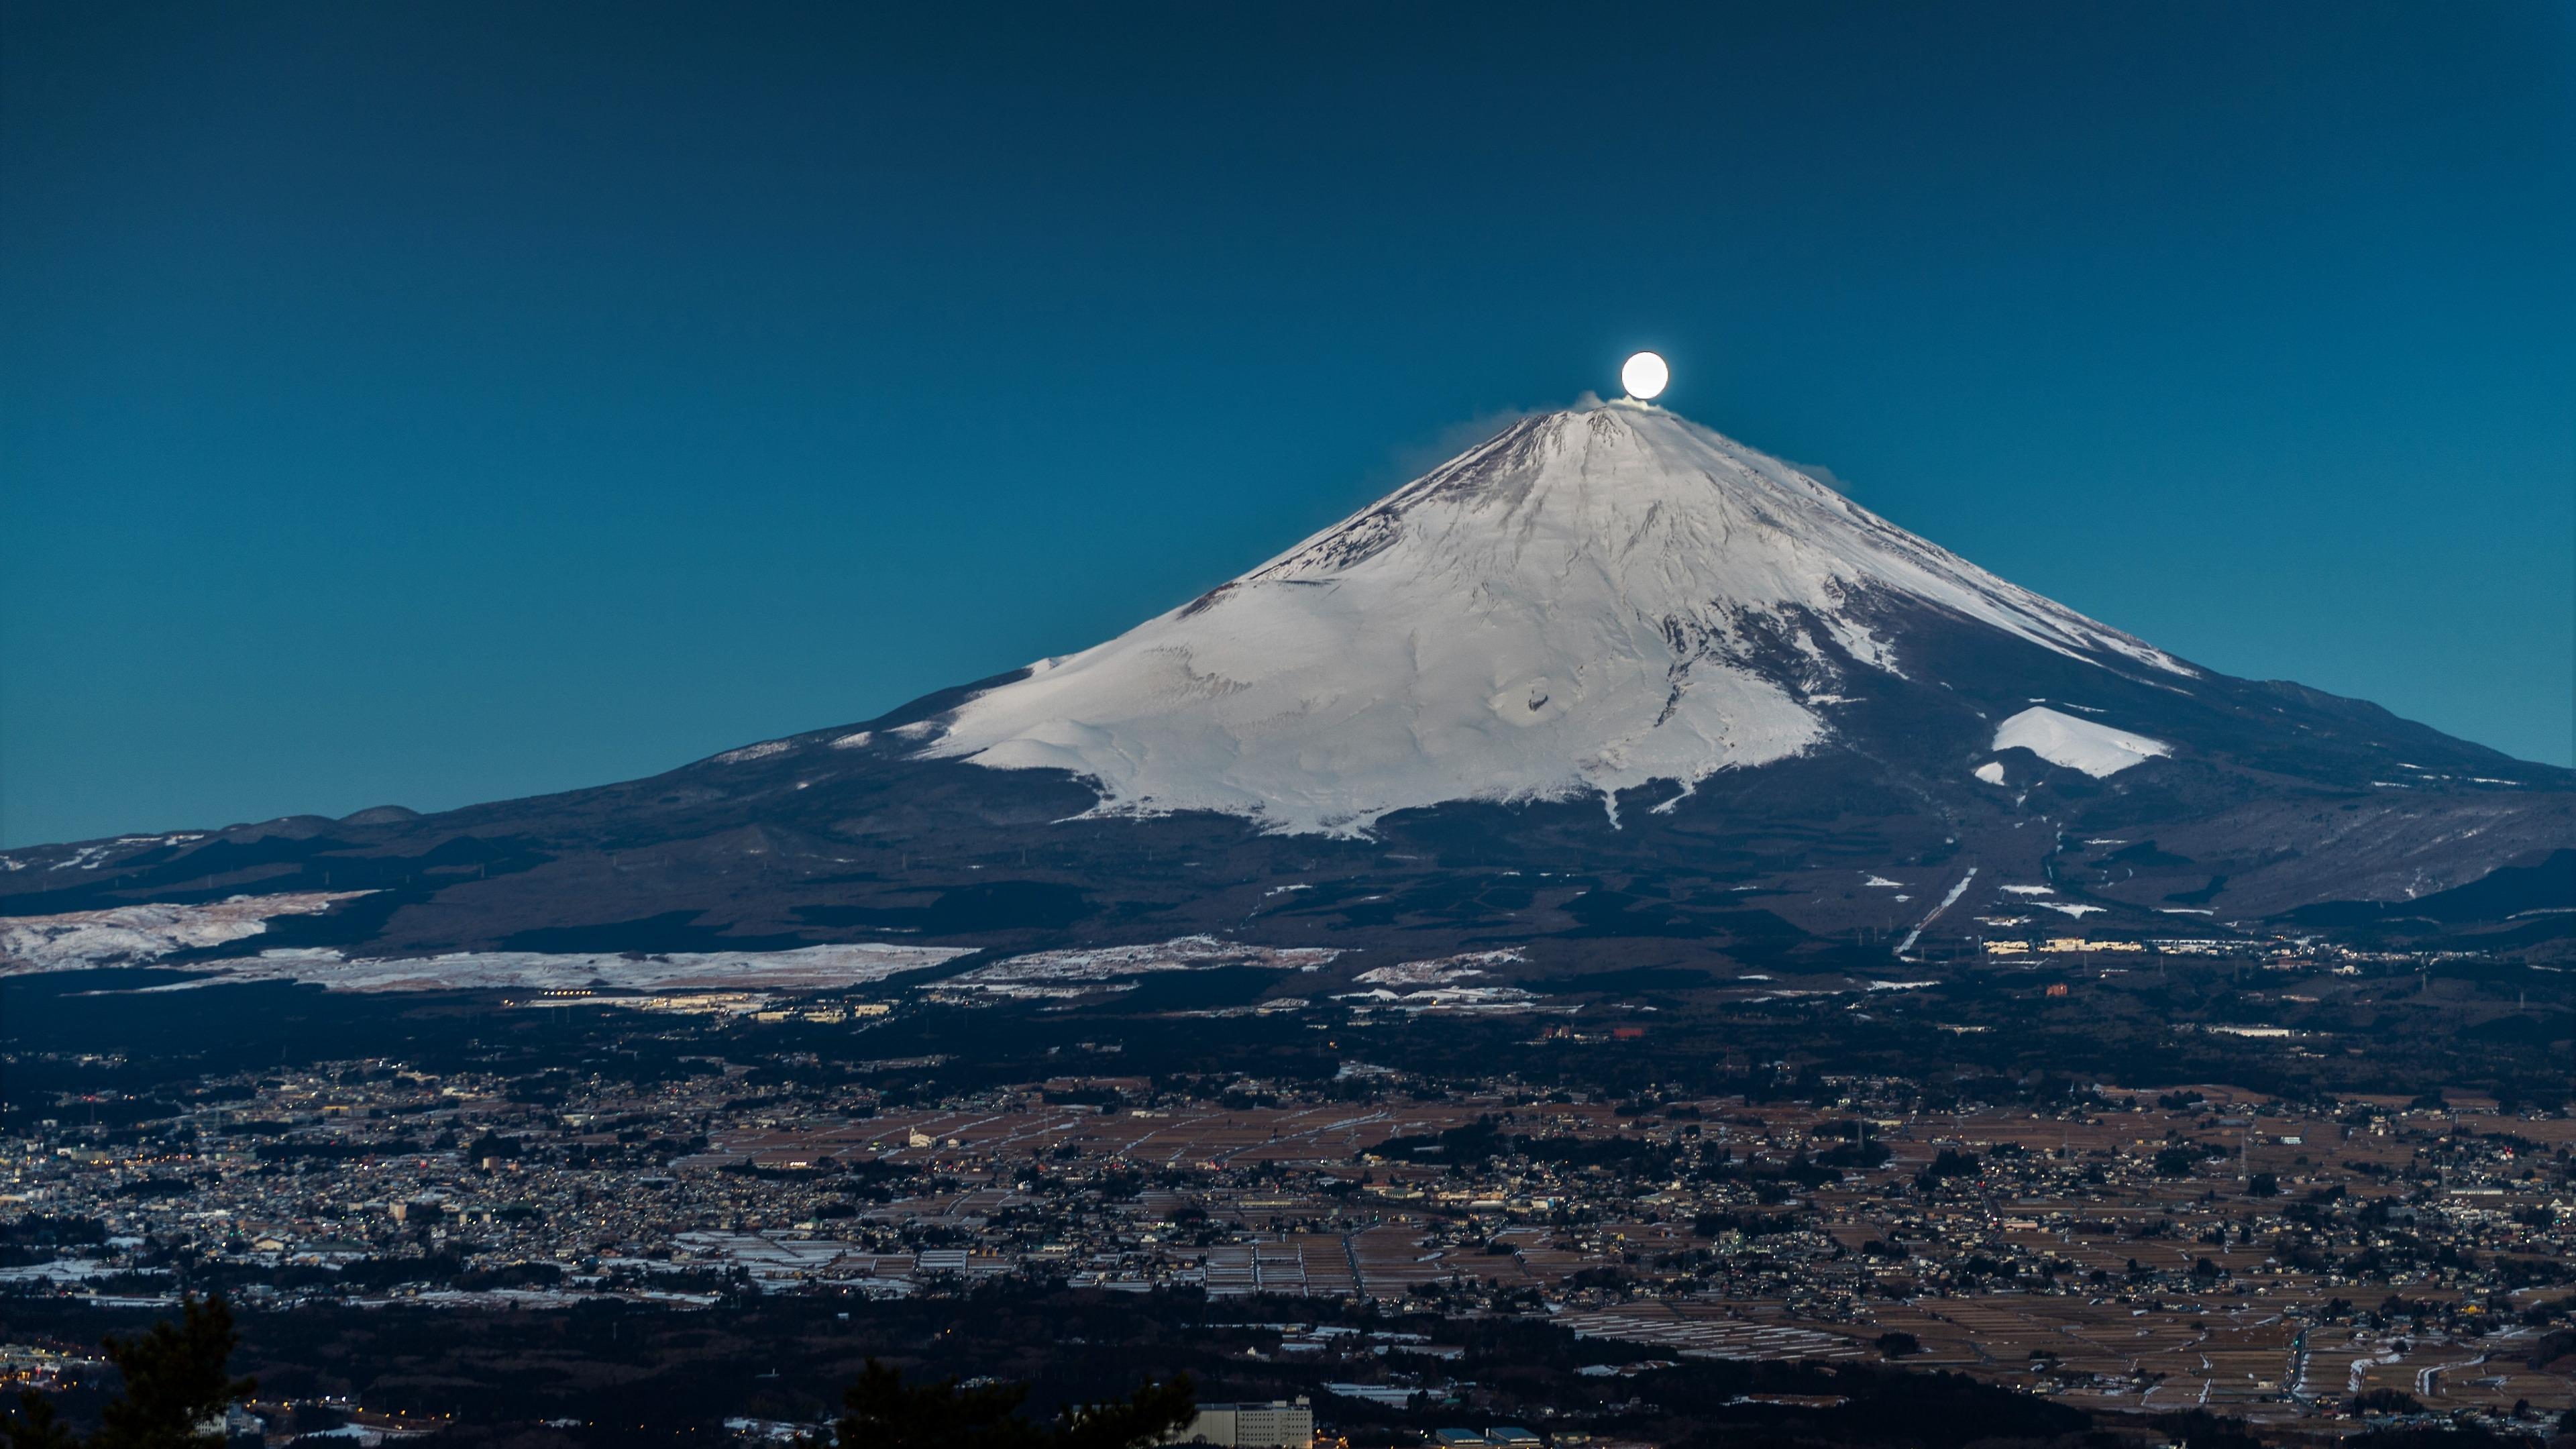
(1608, 677)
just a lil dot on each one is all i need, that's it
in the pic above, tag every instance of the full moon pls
(1644, 376)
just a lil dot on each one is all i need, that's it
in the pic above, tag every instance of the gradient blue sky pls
(432, 403)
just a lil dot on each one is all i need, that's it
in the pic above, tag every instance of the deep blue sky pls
(424, 403)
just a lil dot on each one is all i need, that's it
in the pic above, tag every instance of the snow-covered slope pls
(2078, 744)
(1587, 602)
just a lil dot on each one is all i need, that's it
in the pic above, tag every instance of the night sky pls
(433, 403)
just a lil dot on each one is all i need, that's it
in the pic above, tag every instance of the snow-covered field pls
(1059, 972)
(1106, 968)
(807, 968)
(1590, 601)
(1447, 999)
(134, 935)
(140, 935)
(1439, 971)
(1438, 985)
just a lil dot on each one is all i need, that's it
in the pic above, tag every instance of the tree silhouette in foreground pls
(884, 1412)
(174, 1381)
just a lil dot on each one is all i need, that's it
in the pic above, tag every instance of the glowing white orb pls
(1644, 376)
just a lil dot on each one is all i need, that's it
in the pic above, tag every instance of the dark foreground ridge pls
(496, 1366)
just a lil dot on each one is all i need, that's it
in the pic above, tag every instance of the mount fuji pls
(1607, 685)
(1588, 603)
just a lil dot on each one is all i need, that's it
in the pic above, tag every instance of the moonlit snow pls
(2078, 744)
(1588, 602)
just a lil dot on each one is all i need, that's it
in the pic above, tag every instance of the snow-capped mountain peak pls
(1588, 601)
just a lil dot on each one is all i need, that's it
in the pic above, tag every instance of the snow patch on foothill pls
(2078, 744)
(761, 751)
(1091, 968)
(1439, 971)
(1436, 985)
(133, 935)
(1446, 999)
(804, 968)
